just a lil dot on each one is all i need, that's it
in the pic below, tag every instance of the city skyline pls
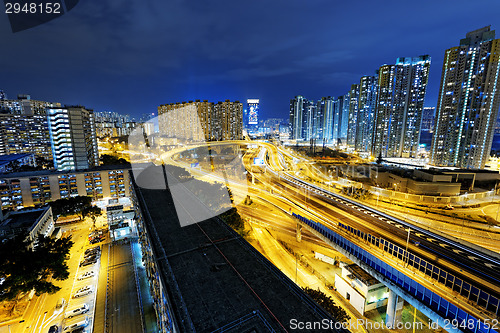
(132, 77)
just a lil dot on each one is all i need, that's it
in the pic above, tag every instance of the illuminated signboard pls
(253, 111)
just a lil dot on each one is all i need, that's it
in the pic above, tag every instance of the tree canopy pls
(23, 269)
(233, 219)
(69, 206)
(93, 212)
(327, 303)
(112, 160)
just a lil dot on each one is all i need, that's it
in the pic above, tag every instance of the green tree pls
(233, 219)
(93, 212)
(107, 159)
(70, 206)
(327, 303)
(23, 269)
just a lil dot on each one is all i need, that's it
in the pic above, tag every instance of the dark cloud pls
(130, 56)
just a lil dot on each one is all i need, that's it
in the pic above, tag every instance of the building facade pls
(27, 189)
(398, 116)
(296, 122)
(326, 109)
(25, 134)
(428, 119)
(468, 102)
(201, 121)
(73, 138)
(353, 115)
(112, 124)
(25, 105)
(367, 102)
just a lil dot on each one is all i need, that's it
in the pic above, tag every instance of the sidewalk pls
(148, 311)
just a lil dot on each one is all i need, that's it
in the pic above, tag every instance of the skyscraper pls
(202, 121)
(230, 116)
(326, 110)
(73, 138)
(343, 107)
(428, 118)
(296, 117)
(366, 110)
(398, 116)
(468, 101)
(353, 115)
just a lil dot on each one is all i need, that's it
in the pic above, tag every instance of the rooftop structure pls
(205, 277)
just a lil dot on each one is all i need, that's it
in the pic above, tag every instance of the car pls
(77, 311)
(84, 291)
(88, 262)
(95, 240)
(54, 329)
(86, 275)
(92, 255)
(93, 249)
(76, 326)
(80, 330)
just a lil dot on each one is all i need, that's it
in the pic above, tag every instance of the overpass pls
(454, 284)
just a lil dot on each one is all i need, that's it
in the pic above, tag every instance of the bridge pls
(454, 283)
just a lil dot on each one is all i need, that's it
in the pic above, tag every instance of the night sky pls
(131, 56)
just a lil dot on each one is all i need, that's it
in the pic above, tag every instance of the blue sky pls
(130, 56)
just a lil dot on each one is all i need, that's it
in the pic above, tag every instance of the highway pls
(479, 267)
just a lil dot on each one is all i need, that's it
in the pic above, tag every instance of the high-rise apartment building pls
(428, 119)
(367, 101)
(468, 101)
(353, 115)
(202, 121)
(73, 138)
(230, 117)
(25, 134)
(342, 106)
(398, 115)
(306, 119)
(296, 117)
(110, 124)
(326, 112)
(25, 105)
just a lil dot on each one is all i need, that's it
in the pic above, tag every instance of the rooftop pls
(23, 219)
(361, 275)
(219, 277)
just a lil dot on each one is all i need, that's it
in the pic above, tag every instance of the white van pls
(75, 326)
(77, 311)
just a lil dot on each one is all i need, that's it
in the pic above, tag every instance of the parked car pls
(83, 291)
(91, 256)
(77, 311)
(87, 262)
(54, 329)
(77, 326)
(94, 249)
(95, 240)
(86, 275)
